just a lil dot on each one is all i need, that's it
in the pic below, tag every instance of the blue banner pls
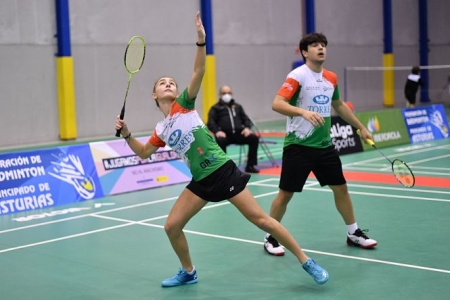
(44, 178)
(426, 123)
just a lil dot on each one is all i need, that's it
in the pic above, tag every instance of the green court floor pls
(116, 247)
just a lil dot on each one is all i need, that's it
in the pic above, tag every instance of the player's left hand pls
(200, 29)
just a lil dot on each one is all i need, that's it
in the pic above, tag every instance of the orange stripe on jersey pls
(177, 108)
(288, 89)
(330, 76)
(156, 141)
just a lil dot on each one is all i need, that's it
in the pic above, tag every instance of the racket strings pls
(135, 54)
(403, 173)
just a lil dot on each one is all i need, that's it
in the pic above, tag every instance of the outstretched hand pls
(200, 29)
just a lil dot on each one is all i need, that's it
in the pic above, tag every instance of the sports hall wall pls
(254, 42)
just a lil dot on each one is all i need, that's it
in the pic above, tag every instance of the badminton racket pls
(133, 60)
(400, 169)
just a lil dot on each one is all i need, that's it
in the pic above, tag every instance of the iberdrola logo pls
(373, 125)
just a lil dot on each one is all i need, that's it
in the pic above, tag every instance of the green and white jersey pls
(314, 92)
(185, 133)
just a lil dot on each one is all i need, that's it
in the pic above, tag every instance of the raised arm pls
(200, 57)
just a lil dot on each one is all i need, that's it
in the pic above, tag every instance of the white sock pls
(192, 272)
(352, 228)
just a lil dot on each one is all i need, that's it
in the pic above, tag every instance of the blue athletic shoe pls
(317, 272)
(183, 277)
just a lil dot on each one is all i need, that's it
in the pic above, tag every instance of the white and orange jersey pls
(185, 133)
(314, 92)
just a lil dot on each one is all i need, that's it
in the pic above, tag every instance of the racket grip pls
(368, 141)
(122, 114)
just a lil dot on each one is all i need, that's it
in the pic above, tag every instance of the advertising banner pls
(120, 170)
(344, 136)
(387, 127)
(426, 123)
(44, 178)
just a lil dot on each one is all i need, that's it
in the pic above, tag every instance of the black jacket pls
(228, 117)
(412, 85)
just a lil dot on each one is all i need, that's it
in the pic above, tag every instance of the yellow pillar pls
(388, 81)
(66, 98)
(209, 86)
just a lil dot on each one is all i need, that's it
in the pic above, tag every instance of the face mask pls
(226, 98)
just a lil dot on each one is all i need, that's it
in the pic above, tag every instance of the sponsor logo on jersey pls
(288, 86)
(312, 88)
(174, 137)
(180, 144)
(321, 99)
(321, 109)
(207, 162)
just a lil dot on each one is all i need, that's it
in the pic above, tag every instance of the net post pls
(345, 83)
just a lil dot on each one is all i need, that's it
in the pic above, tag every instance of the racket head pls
(403, 173)
(135, 54)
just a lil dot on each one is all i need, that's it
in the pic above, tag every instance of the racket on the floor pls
(400, 169)
(133, 59)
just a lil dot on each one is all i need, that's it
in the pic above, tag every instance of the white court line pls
(384, 195)
(387, 170)
(121, 208)
(129, 222)
(86, 215)
(431, 168)
(64, 238)
(428, 159)
(327, 190)
(414, 190)
(397, 155)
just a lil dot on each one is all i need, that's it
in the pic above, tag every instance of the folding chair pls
(263, 144)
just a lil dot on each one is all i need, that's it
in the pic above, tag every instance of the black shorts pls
(299, 161)
(224, 183)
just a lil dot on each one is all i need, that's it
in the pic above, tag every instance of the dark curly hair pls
(311, 38)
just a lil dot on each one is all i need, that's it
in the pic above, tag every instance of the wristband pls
(127, 137)
(201, 45)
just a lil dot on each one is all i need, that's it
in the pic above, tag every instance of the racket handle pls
(368, 141)
(122, 114)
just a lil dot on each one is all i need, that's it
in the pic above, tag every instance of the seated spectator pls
(230, 125)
